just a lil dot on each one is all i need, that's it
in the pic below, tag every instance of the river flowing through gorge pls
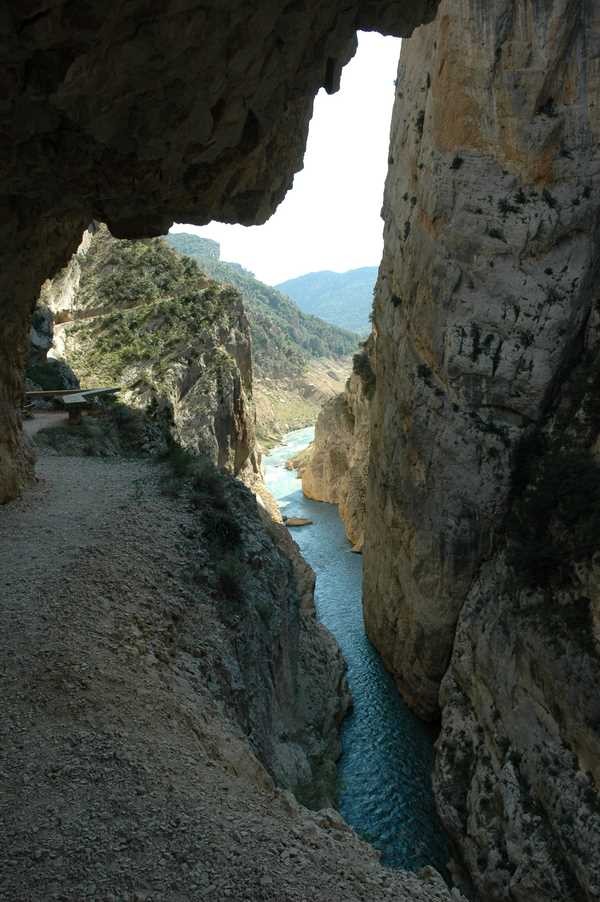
(384, 774)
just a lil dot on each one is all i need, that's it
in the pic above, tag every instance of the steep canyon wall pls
(335, 467)
(486, 286)
(484, 430)
(137, 315)
(197, 112)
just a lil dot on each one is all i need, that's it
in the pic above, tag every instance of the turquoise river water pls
(384, 774)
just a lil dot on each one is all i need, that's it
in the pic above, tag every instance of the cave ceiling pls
(139, 113)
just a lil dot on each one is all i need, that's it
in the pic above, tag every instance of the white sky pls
(331, 217)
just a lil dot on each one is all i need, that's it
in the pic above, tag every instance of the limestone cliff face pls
(60, 294)
(134, 314)
(206, 390)
(336, 467)
(56, 304)
(198, 112)
(277, 672)
(482, 480)
(485, 289)
(517, 769)
(517, 765)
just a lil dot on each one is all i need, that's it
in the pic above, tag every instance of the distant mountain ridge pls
(299, 360)
(284, 338)
(194, 245)
(343, 299)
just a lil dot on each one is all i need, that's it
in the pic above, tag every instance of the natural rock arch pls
(135, 118)
(202, 112)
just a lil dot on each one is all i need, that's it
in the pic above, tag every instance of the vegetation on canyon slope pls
(344, 299)
(283, 337)
(142, 304)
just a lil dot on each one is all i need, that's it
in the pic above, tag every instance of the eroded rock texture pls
(59, 295)
(335, 469)
(485, 426)
(487, 283)
(137, 117)
(32, 248)
(137, 315)
(47, 369)
(517, 765)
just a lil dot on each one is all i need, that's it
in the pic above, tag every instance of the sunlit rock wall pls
(487, 282)
(190, 370)
(487, 373)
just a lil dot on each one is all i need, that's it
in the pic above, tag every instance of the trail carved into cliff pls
(128, 768)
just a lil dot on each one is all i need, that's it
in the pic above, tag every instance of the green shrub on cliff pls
(143, 306)
(361, 365)
(52, 375)
(208, 482)
(113, 429)
(196, 478)
(222, 529)
(119, 274)
(230, 577)
(180, 461)
(283, 338)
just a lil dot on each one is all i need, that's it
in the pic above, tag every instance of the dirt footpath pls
(42, 419)
(121, 778)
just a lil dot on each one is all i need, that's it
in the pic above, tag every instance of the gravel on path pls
(121, 778)
(42, 419)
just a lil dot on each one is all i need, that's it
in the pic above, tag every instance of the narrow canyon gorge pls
(463, 454)
(480, 580)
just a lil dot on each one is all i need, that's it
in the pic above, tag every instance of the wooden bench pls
(75, 400)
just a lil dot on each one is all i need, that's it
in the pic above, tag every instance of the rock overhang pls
(197, 112)
(138, 118)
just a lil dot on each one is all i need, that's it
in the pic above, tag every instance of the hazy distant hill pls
(284, 338)
(341, 298)
(195, 246)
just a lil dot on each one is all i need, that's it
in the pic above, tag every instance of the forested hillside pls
(284, 338)
(341, 298)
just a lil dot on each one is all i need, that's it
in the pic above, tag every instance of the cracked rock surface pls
(487, 378)
(488, 277)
